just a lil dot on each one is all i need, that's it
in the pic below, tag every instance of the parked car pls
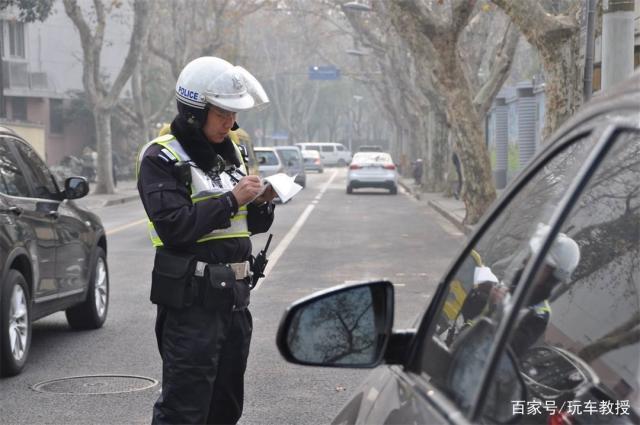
(567, 232)
(269, 161)
(330, 153)
(372, 169)
(53, 254)
(312, 161)
(370, 148)
(293, 163)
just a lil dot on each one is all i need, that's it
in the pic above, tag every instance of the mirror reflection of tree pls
(606, 225)
(337, 329)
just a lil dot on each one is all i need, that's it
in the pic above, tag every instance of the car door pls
(36, 229)
(73, 247)
(441, 375)
(584, 367)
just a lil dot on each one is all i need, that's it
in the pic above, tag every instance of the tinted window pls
(340, 148)
(12, 181)
(593, 308)
(287, 155)
(481, 284)
(44, 186)
(327, 148)
(270, 158)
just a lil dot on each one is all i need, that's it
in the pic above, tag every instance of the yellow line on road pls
(125, 226)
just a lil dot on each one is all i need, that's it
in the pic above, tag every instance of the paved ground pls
(450, 208)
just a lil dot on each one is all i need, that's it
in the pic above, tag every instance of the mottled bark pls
(557, 39)
(434, 44)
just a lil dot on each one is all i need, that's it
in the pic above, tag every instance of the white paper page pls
(284, 186)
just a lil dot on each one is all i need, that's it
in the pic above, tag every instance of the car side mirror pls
(344, 326)
(76, 187)
(262, 160)
(290, 163)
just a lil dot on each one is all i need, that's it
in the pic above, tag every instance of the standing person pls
(202, 208)
(456, 164)
(417, 171)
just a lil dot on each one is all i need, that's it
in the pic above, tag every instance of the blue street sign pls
(324, 72)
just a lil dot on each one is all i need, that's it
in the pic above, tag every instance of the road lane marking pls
(284, 244)
(125, 226)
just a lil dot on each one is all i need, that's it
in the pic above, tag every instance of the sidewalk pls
(125, 192)
(450, 208)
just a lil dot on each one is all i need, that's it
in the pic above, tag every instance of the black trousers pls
(204, 357)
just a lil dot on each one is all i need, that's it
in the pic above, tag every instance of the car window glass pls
(44, 186)
(340, 148)
(289, 155)
(270, 158)
(577, 337)
(327, 148)
(312, 147)
(12, 181)
(480, 285)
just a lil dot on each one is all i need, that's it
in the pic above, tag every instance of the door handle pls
(53, 214)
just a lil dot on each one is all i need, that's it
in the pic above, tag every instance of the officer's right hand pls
(247, 189)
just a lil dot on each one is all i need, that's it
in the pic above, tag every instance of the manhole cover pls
(96, 384)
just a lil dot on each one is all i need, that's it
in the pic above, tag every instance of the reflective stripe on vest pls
(202, 187)
(542, 309)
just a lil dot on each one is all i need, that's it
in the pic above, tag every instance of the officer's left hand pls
(266, 196)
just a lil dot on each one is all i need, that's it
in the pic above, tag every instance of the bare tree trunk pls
(557, 39)
(102, 118)
(478, 190)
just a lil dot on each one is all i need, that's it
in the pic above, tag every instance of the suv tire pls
(92, 313)
(16, 323)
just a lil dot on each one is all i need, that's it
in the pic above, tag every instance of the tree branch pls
(138, 38)
(499, 70)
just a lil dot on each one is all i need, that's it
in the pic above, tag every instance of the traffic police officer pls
(202, 207)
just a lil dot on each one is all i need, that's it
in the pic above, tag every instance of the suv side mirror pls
(262, 160)
(344, 326)
(76, 187)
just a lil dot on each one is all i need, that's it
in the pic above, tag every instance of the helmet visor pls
(236, 90)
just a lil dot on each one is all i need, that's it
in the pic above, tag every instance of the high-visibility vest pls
(202, 187)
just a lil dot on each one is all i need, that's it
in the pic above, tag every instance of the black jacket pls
(180, 223)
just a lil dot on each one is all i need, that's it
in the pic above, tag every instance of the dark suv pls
(537, 320)
(53, 254)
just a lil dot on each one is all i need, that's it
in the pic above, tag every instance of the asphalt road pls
(323, 237)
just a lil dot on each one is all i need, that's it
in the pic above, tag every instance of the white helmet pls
(211, 80)
(563, 256)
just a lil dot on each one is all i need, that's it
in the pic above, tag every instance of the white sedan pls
(372, 169)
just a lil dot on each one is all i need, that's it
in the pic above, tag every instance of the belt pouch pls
(172, 273)
(219, 294)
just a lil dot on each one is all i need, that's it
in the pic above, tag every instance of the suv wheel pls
(342, 163)
(92, 313)
(16, 323)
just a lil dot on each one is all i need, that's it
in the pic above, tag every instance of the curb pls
(466, 229)
(121, 200)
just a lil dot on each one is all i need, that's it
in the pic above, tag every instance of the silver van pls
(330, 153)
